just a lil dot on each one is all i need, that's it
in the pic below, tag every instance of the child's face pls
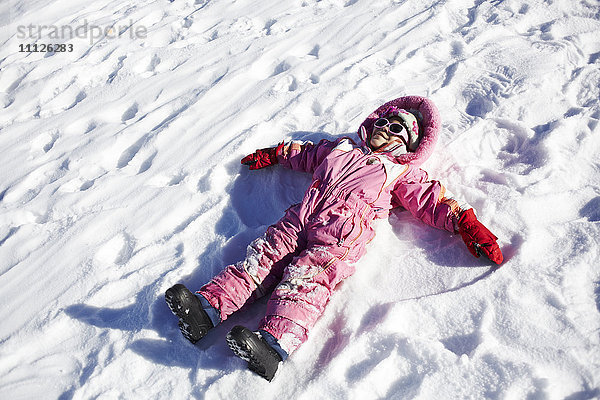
(382, 136)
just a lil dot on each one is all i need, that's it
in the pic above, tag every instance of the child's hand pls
(478, 238)
(262, 158)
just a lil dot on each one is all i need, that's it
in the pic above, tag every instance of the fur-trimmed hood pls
(428, 119)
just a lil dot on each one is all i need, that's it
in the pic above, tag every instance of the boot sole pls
(244, 343)
(191, 324)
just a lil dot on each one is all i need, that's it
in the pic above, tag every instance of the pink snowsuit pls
(315, 245)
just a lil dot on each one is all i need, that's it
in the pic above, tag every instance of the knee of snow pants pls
(260, 271)
(298, 301)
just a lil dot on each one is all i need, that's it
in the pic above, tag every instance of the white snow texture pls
(120, 176)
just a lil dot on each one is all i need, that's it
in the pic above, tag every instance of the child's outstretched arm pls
(478, 238)
(299, 156)
(430, 202)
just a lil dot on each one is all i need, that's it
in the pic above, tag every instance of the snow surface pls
(120, 177)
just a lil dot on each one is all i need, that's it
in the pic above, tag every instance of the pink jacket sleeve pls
(305, 156)
(429, 201)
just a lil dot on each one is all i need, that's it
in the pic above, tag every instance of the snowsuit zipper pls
(342, 237)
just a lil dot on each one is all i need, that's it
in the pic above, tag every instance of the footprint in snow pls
(78, 99)
(147, 164)
(130, 113)
(45, 141)
(129, 153)
(484, 93)
(32, 185)
(117, 250)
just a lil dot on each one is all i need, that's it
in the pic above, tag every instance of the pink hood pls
(429, 121)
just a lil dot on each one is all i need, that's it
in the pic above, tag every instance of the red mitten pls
(262, 158)
(478, 238)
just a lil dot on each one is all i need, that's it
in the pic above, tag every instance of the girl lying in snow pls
(317, 242)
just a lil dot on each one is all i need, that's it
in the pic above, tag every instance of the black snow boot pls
(250, 347)
(194, 323)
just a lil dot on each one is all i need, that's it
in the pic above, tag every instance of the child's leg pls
(308, 282)
(300, 299)
(263, 267)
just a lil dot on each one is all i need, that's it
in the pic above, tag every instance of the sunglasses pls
(395, 128)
